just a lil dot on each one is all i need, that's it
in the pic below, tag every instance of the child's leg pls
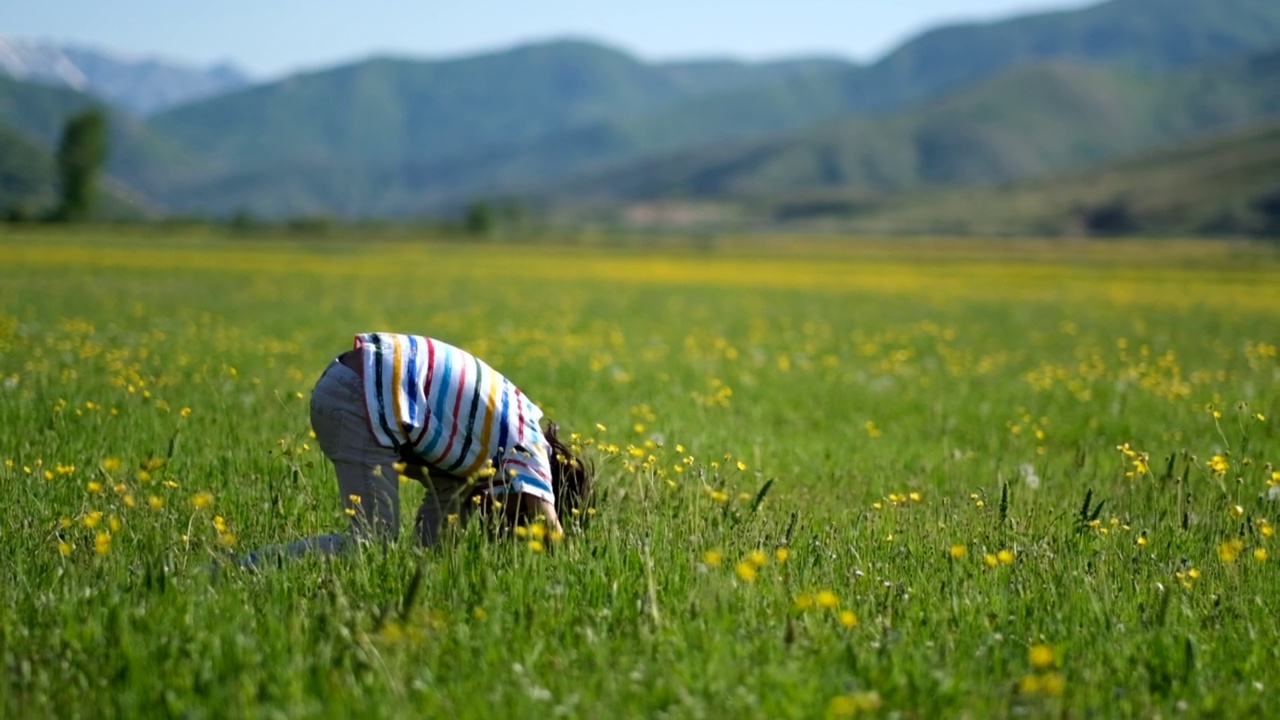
(368, 483)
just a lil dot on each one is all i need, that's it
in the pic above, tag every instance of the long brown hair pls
(570, 476)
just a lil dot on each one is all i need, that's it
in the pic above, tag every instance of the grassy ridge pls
(996, 484)
(1032, 122)
(1224, 184)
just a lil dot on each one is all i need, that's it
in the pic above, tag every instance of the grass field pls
(916, 480)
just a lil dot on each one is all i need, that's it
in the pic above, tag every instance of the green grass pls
(859, 374)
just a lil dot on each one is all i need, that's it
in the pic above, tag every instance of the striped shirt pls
(453, 411)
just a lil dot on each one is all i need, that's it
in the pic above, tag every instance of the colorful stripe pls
(471, 423)
(453, 410)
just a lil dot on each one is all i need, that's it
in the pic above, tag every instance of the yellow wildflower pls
(102, 543)
(1040, 656)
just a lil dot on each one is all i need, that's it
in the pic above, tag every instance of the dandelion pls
(155, 502)
(847, 618)
(93, 486)
(202, 500)
(92, 519)
(850, 705)
(746, 571)
(64, 548)
(1005, 557)
(757, 558)
(536, 546)
(110, 464)
(957, 552)
(1230, 550)
(102, 543)
(1040, 656)
(803, 602)
(781, 554)
(827, 599)
(990, 560)
(1051, 684)
(1260, 554)
(719, 496)
(185, 412)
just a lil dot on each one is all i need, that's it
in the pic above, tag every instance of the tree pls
(81, 154)
(480, 218)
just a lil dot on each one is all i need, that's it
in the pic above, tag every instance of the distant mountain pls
(1222, 184)
(393, 136)
(1151, 35)
(390, 110)
(1032, 121)
(139, 85)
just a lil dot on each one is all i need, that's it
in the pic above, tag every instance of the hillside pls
(139, 157)
(1225, 184)
(27, 174)
(29, 183)
(393, 110)
(1031, 122)
(1152, 35)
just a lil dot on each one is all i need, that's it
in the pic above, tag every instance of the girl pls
(415, 406)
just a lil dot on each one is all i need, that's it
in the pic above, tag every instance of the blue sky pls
(273, 37)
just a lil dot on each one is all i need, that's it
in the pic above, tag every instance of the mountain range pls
(576, 123)
(138, 85)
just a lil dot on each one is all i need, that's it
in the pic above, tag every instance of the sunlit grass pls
(835, 479)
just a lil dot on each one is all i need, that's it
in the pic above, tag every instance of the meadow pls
(835, 478)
